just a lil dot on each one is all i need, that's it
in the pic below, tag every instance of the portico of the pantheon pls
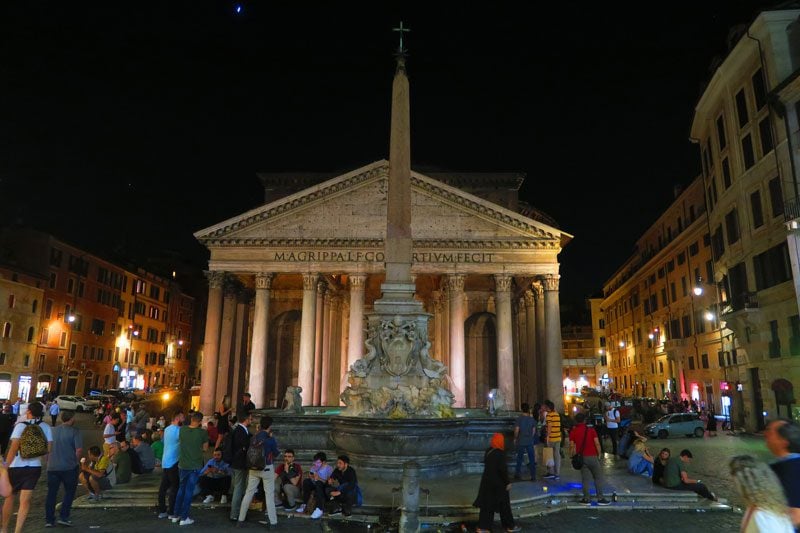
(290, 283)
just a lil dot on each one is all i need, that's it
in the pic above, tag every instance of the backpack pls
(228, 452)
(255, 455)
(32, 443)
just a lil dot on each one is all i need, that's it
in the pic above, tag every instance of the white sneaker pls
(223, 499)
(187, 522)
(175, 519)
(316, 514)
(301, 509)
(209, 499)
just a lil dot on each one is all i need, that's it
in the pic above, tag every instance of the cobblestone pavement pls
(710, 465)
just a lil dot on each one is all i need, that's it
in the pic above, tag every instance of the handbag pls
(577, 459)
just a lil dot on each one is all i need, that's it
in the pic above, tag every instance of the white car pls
(76, 403)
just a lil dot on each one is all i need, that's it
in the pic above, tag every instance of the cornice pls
(379, 243)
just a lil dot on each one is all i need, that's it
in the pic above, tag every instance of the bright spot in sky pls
(238, 8)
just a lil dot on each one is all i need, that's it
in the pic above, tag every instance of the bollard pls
(409, 516)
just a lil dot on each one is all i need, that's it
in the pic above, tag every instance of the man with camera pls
(287, 486)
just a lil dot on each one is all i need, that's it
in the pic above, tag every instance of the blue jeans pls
(183, 502)
(521, 449)
(54, 480)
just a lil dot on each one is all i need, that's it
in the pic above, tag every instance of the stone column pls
(445, 329)
(327, 333)
(208, 380)
(319, 325)
(458, 368)
(231, 290)
(305, 371)
(505, 342)
(257, 384)
(538, 296)
(529, 348)
(553, 361)
(344, 367)
(355, 346)
(241, 332)
(436, 326)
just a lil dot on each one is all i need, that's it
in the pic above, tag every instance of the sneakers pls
(603, 501)
(289, 508)
(335, 512)
(316, 514)
(175, 519)
(163, 515)
(301, 509)
(208, 499)
(93, 497)
(549, 476)
(49, 524)
(585, 501)
(63, 522)
(514, 529)
(186, 522)
(223, 499)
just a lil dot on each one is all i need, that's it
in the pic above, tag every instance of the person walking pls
(54, 410)
(763, 496)
(583, 440)
(612, 420)
(236, 456)
(33, 438)
(493, 492)
(553, 440)
(193, 442)
(783, 440)
(261, 471)
(524, 437)
(62, 468)
(170, 480)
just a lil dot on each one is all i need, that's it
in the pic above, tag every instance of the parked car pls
(76, 403)
(681, 424)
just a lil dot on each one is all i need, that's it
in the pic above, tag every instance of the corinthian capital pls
(550, 282)
(502, 282)
(538, 290)
(455, 283)
(357, 281)
(263, 280)
(529, 299)
(310, 281)
(215, 278)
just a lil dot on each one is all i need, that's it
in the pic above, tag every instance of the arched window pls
(11, 301)
(30, 334)
(7, 330)
(34, 306)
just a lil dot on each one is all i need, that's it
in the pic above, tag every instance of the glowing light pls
(601, 351)
(180, 342)
(621, 344)
(238, 8)
(697, 291)
(491, 395)
(71, 319)
(651, 336)
(165, 397)
(709, 316)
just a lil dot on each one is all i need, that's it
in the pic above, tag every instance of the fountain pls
(398, 408)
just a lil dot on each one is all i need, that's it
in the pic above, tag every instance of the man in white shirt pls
(612, 420)
(54, 410)
(110, 431)
(24, 473)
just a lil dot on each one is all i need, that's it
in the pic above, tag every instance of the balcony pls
(674, 344)
(745, 300)
(791, 209)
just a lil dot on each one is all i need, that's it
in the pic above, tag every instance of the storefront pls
(5, 386)
(24, 388)
(43, 385)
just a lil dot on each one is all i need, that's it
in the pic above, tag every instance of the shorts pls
(24, 477)
(103, 483)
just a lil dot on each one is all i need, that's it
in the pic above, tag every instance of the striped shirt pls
(553, 421)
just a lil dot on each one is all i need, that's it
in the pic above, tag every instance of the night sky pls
(128, 126)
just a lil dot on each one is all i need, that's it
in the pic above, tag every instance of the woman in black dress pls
(493, 494)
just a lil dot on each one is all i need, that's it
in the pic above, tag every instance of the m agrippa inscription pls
(356, 256)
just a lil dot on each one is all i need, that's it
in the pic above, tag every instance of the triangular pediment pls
(352, 208)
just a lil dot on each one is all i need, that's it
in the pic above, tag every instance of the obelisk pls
(398, 288)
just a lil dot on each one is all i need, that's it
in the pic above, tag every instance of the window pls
(602, 342)
(704, 360)
(759, 90)
(30, 334)
(755, 207)
(775, 341)
(2, 358)
(11, 301)
(694, 249)
(732, 226)
(765, 132)
(44, 337)
(85, 354)
(684, 287)
(794, 340)
(670, 266)
(691, 362)
(41, 361)
(721, 359)
(48, 309)
(664, 301)
(673, 294)
(717, 242)
(772, 267)
(723, 142)
(55, 257)
(7, 330)
(73, 350)
(63, 341)
(776, 197)
(34, 306)
(709, 270)
(681, 258)
(52, 282)
(747, 152)
(601, 324)
(726, 173)
(155, 292)
(70, 285)
(741, 108)
(686, 323)
(98, 326)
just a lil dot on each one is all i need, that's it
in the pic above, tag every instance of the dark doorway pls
(758, 399)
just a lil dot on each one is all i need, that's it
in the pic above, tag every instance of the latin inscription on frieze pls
(355, 256)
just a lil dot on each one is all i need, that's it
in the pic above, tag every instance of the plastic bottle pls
(614, 497)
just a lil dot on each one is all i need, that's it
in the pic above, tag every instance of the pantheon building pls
(291, 282)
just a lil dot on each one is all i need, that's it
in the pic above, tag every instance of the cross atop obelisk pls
(401, 30)
(399, 286)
